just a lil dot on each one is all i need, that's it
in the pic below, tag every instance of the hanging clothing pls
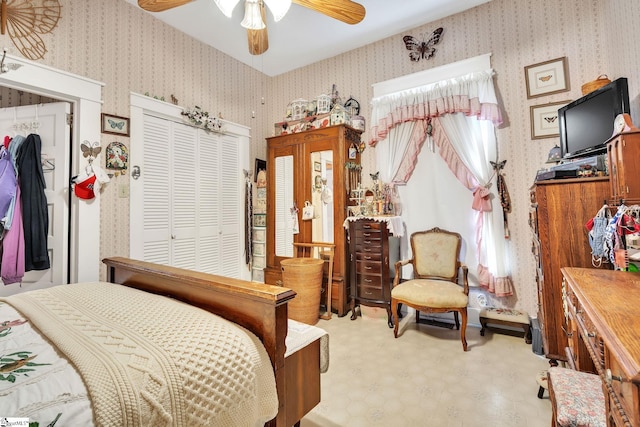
(8, 185)
(35, 216)
(14, 146)
(12, 266)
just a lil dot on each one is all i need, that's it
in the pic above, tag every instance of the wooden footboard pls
(260, 308)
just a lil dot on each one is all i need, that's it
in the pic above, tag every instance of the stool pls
(543, 382)
(507, 317)
(577, 398)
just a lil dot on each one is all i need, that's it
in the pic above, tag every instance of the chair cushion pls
(431, 293)
(578, 396)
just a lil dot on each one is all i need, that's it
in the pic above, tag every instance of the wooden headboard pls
(260, 308)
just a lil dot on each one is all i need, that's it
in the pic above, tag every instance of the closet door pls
(191, 207)
(152, 241)
(50, 122)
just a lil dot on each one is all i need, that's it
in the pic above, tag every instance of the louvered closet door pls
(231, 217)
(156, 201)
(184, 196)
(192, 215)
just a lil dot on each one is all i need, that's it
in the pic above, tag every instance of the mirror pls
(322, 195)
(284, 202)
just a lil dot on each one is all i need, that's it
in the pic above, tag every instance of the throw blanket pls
(150, 360)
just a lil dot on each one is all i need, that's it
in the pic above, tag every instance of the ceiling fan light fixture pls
(252, 16)
(278, 8)
(227, 6)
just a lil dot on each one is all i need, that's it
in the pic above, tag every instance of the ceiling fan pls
(254, 21)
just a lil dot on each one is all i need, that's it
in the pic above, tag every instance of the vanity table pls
(600, 307)
(374, 247)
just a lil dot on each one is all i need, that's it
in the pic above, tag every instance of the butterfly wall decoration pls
(25, 20)
(422, 49)
(90, 149)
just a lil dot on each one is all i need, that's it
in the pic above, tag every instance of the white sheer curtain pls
(390, 156)
(454, 111)
(474, 142)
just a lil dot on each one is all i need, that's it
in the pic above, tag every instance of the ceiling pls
(303, 36)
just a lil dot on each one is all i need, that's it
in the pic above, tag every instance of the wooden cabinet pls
(310, 166)
(623, 155)
(372, 254)
(602, 305)
(559, 211)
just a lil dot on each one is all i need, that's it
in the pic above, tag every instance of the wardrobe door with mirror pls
(309, 168)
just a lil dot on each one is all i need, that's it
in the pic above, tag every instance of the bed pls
(277, 383)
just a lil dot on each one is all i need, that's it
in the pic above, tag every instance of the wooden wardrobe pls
(315, 166)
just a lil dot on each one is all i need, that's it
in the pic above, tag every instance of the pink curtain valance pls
(472, 95)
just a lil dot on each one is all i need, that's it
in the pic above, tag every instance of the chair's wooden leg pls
(455, 317)
(396, 321)
(463, 331)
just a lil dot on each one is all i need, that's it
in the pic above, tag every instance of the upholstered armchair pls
(435, 285)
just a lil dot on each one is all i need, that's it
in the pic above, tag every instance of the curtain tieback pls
(481, 199)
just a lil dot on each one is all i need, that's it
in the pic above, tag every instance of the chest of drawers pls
(600, 307)
(372, 252)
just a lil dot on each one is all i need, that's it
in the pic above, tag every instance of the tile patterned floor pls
(423, 378)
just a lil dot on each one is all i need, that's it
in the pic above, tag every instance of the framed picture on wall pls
(544, 120)
(546, 78)
(115, 125)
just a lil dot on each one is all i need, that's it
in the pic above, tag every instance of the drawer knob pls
(609, 376)
(367, 257)
(591, 334)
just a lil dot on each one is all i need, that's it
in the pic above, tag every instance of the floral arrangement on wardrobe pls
(202, 119)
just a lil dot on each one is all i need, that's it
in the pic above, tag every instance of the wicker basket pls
(595, 84)
(304, 276)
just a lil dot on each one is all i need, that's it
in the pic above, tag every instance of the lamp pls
(226, 6)
(252, 16)
(279, 8)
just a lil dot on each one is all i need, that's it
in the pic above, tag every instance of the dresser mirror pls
(322, 195)
(283, 203)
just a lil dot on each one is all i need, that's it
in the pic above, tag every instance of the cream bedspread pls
(150, 360)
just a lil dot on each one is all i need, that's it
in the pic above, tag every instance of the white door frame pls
(86, 97)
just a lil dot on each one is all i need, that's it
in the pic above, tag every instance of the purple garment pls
(12, 267)
(8, 182)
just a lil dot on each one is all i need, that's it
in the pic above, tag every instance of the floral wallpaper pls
(131, 51)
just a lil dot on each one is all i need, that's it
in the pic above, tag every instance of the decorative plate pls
(117, 156)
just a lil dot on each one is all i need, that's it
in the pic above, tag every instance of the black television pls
(587, 123)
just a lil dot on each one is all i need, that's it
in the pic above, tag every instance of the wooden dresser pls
(373, 251)
(623, 155)
(559, 210)
(604, 335)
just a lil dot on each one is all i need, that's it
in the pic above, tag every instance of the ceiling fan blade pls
(160, 5)
(258, 39)
(346, 11)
